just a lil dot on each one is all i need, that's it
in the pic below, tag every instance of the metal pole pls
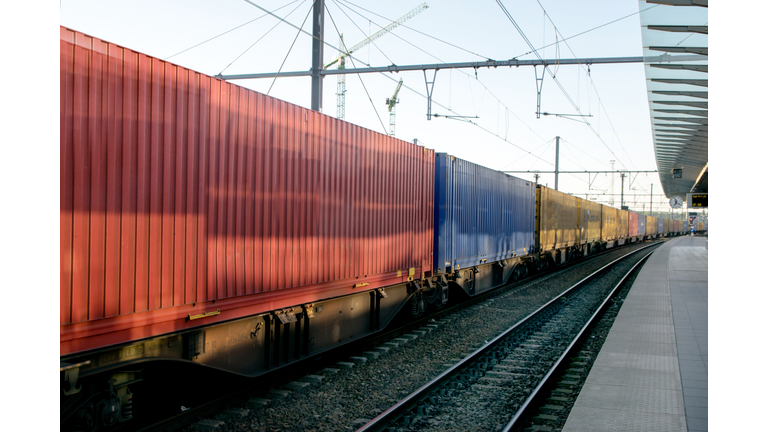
(318, 25)
(557, 159)
(622, 190)
(651, 199)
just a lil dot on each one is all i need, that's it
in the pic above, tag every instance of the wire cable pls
(390, 78)
(524, 156)
(589, 75)
(361, 30)
(441, 61)
(417, 31)
(289, 50)
(358, 75)
(262, 37)
(228, 31)
(587, 31)
(522, 34)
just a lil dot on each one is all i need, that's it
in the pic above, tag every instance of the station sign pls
(698, 200)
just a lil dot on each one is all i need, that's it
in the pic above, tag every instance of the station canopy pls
(677, 83)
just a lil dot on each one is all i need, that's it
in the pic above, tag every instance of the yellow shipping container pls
(588, 221)
(699, 226)
(556, 218)
(667, 226)
(610, 223)
(623, 217)
(651, 225)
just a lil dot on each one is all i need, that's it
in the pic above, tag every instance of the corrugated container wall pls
(557, 218)
(676, 226)
(632, 224)
(179, 188)
(651, 225)
(623, 223)
(481, 215)
(660, 223)
(588, 220)
(667, 226)
(610, 223)
(699, 226)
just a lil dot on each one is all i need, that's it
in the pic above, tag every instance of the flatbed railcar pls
(212, 226)
(208, 224)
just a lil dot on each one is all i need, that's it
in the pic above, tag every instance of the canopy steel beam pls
(703, 105)
(679, 49)
(696, 94)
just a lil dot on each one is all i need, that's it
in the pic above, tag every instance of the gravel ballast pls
(358, 391)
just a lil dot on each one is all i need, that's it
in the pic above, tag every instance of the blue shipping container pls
(640, 225)
(481, 215)
(661, 226)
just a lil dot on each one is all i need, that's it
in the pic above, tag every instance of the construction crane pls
(341, 83)
(391, 105)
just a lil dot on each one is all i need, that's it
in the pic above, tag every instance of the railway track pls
(228, 407)
(497, 386)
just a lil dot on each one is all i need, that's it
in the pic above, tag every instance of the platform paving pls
(651, 374)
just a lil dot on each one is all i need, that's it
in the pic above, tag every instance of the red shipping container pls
(633, 224)
(179, 190)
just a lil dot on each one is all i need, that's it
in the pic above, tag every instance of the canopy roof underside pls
(677, 90)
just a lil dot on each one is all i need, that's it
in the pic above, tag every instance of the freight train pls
(206, 224)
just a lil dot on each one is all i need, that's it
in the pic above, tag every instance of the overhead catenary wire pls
(575, 146)
(229, 31)
(486, 89)
(587, 31)
(589, 75)
(419, 32)
(358, 75)
(289, 50)
(575, 106)
(411, 89)
(524, 156)
(361, 30)
(262, 37)
(381, 73)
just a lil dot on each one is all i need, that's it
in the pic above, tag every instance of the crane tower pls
(391, 105)
(341, 84)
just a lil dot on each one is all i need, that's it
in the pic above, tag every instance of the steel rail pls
(198, 412)
(381, 422)
(535, 397)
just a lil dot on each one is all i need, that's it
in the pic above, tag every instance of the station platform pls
(652, 372)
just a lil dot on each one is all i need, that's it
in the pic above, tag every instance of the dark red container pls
(179, 189)
(633, 224)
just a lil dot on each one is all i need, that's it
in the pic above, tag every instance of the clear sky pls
(507, 135)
